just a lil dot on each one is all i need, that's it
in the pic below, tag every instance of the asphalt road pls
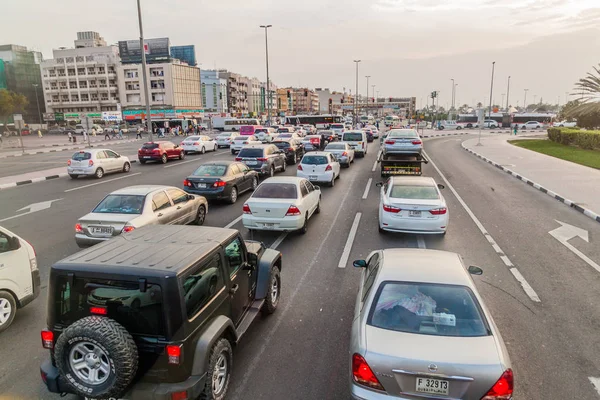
(301, 351)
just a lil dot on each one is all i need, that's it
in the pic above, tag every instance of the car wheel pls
(304, 228)
(203, 150)
(74, 176)
(219, 371)
(274, 292)
(164, 159)
(441, 128)
(126, 167)
(332, 183)
(99, 173)
(254, 183)
(200, 215)
(142, 161)
(272, 171)
(8, 309)
(318, 210)
(283, 167)
(185, 152)
(232, 151)
(459, 128)
(233, 195)
(97, 356)
(182, 155)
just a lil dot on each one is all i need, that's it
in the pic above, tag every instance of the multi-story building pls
(20, 73)
(187, 54)
(82, 79)
(338, 99)
(237, 92)
(214, 91)
(304, 101)
(283, 103)
(256, 97)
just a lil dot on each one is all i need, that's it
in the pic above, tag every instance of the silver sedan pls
(402, 141)
(133, 207)
(421, 331)
(342, 151)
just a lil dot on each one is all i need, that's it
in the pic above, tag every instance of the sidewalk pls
(49, 147)
(575, 185)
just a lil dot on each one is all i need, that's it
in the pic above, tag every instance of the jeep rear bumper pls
(138, 391)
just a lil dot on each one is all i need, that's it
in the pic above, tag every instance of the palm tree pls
(479, 105)
(589, 90)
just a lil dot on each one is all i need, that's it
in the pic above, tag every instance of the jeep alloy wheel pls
(89, 363)
(219, 378)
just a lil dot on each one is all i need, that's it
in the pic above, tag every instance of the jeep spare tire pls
(97, 357)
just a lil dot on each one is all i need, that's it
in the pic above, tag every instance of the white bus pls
(319, 121)
(367, 119)
(232, 124)
(391, 120)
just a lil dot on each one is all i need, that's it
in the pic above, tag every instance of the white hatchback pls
(225, 139)
(319, 166)
(96, 162)
(198, 144)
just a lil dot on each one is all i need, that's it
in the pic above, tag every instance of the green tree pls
(11, 103)
(589, 90)
(572, 111)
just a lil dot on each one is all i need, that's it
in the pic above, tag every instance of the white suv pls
(450, 125)
(531, 125)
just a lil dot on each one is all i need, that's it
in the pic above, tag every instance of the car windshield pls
(353, 137)
(80, 155)
(276, 191)
(282, 130)
(282, 145)
(193, 138)
(285, 135)
(429, 309)
(414, 192)
(224, 136)
(261, 130)
(315, 160)
(121, 204)
(251, 153)
(409, 133)
(337, 126)
(335, 146)
(150, 146)
(210, 170)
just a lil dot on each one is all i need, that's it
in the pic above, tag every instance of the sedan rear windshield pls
(428, 309)
(315, 160)
(414, 192)
(337, 126)
(339, 146)
(251, 153)
(120, 204)
(353, 137)
(282, 145)
(210, 170)
(276, 191)
(79, 156)
(403, 134)
(261, 130)
(150, 146)
(283, 130)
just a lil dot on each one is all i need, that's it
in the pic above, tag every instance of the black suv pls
(294, 149)
(154, 313)
(263, 158)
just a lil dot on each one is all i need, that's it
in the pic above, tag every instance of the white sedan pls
(241, 141)
(412, 205)
(225, 139)
(565, 124)
(282, 204)
(319, 166)
(531, 125)
(198, 144)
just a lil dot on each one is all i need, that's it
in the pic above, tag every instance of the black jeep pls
(154, 313)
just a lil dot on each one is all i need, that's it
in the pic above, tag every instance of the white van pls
(357, 140)
(79, 129)
(19, 276)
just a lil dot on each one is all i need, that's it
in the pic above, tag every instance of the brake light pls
(128, 228)
(219, 183)
(179, 395)
(246, 209)
(246, 142)
(196, 143)
(91, 163)
(187, 183)
(390, 141)
(328, 168)
(156, 150)
(174, 353)
(68, 162)
(78, 228)
(439, 211)
(98, 310)
(345, 154)
(238, 159)
(300, 167)
(502, 389)
(391, 209)
(47, 340)
(293, 210)
(362, 373)
(417, 142)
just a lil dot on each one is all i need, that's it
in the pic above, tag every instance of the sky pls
(408, 47)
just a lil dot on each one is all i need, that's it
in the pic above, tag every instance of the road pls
(301, 351)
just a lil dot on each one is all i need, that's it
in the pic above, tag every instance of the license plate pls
(78, 171)
(433, 386)
(269, 226)
(202, 185)
(414, 213)
(101, 230)
(250, 162)
(147, 156)
(405, 144)
(313, 177)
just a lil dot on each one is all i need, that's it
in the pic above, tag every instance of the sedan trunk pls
(104, 225)
(269, 208)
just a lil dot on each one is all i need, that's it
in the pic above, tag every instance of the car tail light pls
(261, 159)
(196, 143)
(187, 183)
(128, 228)
(439, 211)
(293, 210)
(417, 142)
(48, 340)
(246, 209)
(391, 209)
(345, 154)
(362, 373)
(78, 228)
(179, 395)
(156, 150)
(238, 159)
(68, 162)
(246, 142)
(502, 389)
(328, 168)
(91, 163)
(219, 183)
(98, 310)
(300, 167)
(174, 353)
(390, 141)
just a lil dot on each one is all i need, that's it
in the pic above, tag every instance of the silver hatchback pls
(96, 162)
(421, 331)
(402, 141)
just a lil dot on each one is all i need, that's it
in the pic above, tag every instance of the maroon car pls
(160, 151)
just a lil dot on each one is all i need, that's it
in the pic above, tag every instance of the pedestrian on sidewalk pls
(515, 129)
(85, 135)
(106, 134)
(40, 134)
(93, 131)
(138, 134)
(70, 136)
(120, 133)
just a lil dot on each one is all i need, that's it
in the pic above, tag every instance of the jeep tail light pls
(219, 183)
(174, 353)
(362, 373)
(246, 209)
(502, 389)
(68, 162)
(91, 163)
(47, 340)
(417, 142)
(439, 211)
(391, 209)
(98, 310)
(299, 167)
(246, 142)
(293, 210)
(78, 228)
(179, 395)
(128, 228)
(187, 183)
(328, 168)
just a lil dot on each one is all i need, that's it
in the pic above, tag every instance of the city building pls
(81, 81)
(237, 92)
(304, 101)
(187, 54)
(337, 100)
(283, 103)
(20, 73)
(157, 51)
(256, 97)
(214, 91)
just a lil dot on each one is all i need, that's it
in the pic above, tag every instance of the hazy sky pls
(409, 47)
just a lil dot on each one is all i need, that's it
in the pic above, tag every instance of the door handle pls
(160, 214)
(179, 207)
(234, 289)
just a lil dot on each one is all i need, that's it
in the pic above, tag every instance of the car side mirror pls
(14, 243)
(359, 263)
(473, 270)
(379, 184)
(191, 197)
(440, 186)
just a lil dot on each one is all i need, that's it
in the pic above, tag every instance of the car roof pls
(224, 162)
(402, 131)
(317, 153)
(413, 180)
(423, 265)
(355, 131)
(150, 250)
(141, 190)
(160, 142)
(283, 179)
(91, 151)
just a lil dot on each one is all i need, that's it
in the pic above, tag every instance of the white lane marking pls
(219, 152)
(366, 193)
(232, 223)
(374, 166)
(181, 162)
(278, 241)
(349, 241)
(421, 242)
(524, 284)
(595, 383)
(101, 182)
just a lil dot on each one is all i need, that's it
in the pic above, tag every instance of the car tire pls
(272, 171)
(74, 176)
(304, 228)
(233, 196)
(164, 159)
(203, 150)
(8, 309)
(332, 182)
(254, 183)
(99, 173)
(459, 128)
(381, 230)
(126, 167)
(182, 155)
(441, 128)
(232, 151)
(200, 215)
(142, 161)
(93, 336)
(273, 293)
(318, 210)
(283, 167)
(221, 355)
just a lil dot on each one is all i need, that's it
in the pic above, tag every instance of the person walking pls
(70, 136)
(40, 134)
(515, 129)
(93, 131)
(106, 134)
(120, 133)
(85, 135)
(138, 134)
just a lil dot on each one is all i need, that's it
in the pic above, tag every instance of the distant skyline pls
(408, 47)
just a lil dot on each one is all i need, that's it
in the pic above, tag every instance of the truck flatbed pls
(408, 164)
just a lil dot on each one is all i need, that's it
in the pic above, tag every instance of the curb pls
(27, 153)
(445, 134)
(41, 179)
(588, 213)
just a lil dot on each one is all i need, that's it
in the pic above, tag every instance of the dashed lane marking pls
(278, 241)
(232, 223)
(349, 242)
(595, 383)
(181, 162)
(366, 193)
(101, 182)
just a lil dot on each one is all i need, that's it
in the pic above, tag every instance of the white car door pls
(313, 196)
(113, 161)
(335, 164)
(101, 160)
(15, 270)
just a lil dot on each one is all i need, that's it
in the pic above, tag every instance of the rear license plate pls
(269, 226)
(313, 177)
(202, 186)
(414, 213)
(433, 386)
(101, 230)
(147, 156)
(78, 171)
(405, 144)
(250, 162)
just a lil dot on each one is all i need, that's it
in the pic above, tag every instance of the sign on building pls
(49, 117)
(111, 116)
(157, 50)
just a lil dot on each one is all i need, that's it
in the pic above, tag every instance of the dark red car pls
(160, 151)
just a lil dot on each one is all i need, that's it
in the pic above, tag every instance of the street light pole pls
(452, 95)
(491, 89)
(525, 100)
(266, 27)
(367, 97)
(144, 74)
(507, 93)
(35, 85)
(356, 95)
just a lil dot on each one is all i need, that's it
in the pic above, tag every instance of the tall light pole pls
(367, 97)
(507, 93)
(525, 99)
(266, 27)
(356, 95)
(454, 102)
(452, 95)
(491, 89)
(144, 73)
(35, 85)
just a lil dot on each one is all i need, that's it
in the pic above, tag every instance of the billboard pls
(111, 115)
(157, 50)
